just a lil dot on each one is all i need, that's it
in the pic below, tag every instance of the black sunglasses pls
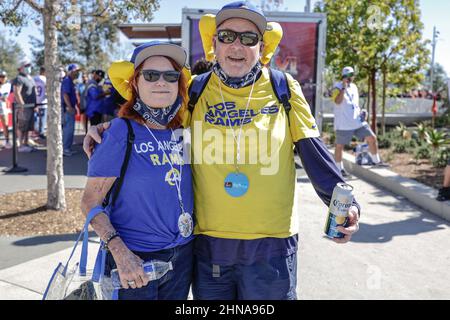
(247, 38)
(154, 75)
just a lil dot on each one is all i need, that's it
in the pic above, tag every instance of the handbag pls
(76, 282)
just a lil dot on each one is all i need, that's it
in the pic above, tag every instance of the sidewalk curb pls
(416, 192)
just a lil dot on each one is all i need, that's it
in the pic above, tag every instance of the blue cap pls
(244, 10)
(159, 48)
(73, 67)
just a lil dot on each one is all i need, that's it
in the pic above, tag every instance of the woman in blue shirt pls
(151, 218)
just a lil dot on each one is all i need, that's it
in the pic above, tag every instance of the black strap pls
(118, 183)
(196, 88)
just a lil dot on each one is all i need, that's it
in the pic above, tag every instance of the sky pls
(434, 13)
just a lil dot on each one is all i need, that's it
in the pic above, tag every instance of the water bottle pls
(154, 269)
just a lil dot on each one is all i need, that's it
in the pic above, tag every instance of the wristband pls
(110, 237)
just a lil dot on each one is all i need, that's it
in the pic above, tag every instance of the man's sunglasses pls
(247, 38)
(154, 75)
(349, 75)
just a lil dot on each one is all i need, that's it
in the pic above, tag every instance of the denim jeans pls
(172, 286)
(68, 130)
(40, 120)
(275, 279)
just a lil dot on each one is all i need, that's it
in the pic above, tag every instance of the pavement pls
(400, 252)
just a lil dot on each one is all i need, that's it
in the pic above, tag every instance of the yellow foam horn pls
(120, 73)
(207, 27)
(271, 39)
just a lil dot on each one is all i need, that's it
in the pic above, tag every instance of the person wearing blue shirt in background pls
(111, 103)
(94, 98)
(151, 218)
(68, 103)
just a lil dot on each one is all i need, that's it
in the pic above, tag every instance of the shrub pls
(436, 138)
(401, 146)
(332, 138)
(384, 142)
(412, 143)
(423, 153)
(401, 130)
(441, 158)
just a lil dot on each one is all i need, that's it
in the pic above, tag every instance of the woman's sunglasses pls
(154, 75)
(248, 38)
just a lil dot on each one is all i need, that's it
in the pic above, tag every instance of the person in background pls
(81, 89)
(5, 89)
(349, 120)
(201, 66)
(68, 104)
(24, 89)
(444, 192)
(41, 102)
(94, 97)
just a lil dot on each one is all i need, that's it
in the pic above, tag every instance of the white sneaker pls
(25, 149)
(7, 145)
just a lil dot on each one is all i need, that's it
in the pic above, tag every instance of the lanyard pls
(177, 182)
(238, 140)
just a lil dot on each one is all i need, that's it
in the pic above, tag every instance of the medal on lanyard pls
(185, 224)
(236, 183)
(185, 221)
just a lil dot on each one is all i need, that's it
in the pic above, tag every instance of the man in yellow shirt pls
(243, 169)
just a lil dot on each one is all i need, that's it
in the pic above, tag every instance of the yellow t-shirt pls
(267, 159)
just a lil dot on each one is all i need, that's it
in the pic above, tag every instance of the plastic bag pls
(75, 281)
(362, 156)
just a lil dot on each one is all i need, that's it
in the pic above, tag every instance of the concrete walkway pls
(400, 252)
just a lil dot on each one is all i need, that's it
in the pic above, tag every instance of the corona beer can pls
(340, 203)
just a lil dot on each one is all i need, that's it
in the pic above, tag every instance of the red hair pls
(127, 111)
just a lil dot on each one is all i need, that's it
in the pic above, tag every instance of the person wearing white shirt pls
(350, 120)
(41, 101)
(5, 89)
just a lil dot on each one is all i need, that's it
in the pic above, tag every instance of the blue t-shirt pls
(147, 209)
(93, 99)
(67, 86)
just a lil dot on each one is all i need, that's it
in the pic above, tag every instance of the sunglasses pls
(349, 75)
(154, 75)
(247, 38)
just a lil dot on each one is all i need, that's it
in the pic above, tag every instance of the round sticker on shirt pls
(185, 224)
(236, 184)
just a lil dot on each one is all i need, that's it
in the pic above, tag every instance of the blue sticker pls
(236, 184)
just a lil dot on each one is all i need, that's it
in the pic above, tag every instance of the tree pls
(376, 36)
(10, 55)
(440, 78)
(55, 14)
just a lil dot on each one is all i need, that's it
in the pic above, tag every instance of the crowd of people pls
(88, 95)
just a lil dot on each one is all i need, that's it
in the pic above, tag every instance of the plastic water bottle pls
(154, 269)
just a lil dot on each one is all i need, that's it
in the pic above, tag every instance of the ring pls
(131, 283)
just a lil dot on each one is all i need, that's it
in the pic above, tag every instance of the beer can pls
(340, 203)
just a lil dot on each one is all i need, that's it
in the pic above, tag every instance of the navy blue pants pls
(275, 279)
(173, 286)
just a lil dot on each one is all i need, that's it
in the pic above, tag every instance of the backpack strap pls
(196, 88)
(118, 183)
(280, 87)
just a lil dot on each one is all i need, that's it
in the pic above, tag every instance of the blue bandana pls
(159, 117)
(234, 82)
